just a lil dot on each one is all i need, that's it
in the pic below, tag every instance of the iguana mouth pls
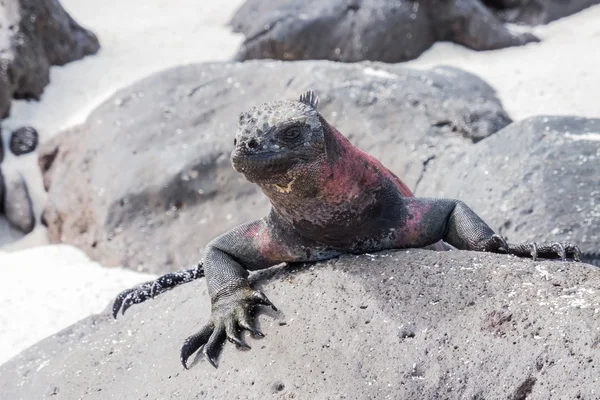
(264, 163)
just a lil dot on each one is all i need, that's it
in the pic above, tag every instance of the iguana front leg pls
(427, 220)
(227, 259)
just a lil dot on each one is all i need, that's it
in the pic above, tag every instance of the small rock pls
(24, 140)
(17, 204)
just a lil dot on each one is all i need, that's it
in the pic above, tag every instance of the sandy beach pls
(52, 286)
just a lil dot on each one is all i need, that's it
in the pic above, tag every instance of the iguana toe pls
(560, 250)
(194, 342)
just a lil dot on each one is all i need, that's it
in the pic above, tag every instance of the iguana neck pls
(342, 183)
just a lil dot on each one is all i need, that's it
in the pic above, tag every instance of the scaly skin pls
(328, 198)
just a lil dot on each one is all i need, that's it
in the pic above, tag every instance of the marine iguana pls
(328, 198)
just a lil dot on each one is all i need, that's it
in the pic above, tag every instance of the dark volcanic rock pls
(356, 30)
(23, 140)
(34, 35)
(147, 181)
(536, 12)
(537, 179)
(400, 325)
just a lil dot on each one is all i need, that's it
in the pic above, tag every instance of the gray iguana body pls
(328, 198)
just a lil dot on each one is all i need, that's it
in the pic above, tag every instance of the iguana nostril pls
(234, 141)
(252, 144)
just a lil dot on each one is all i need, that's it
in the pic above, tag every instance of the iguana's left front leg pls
(427, 220)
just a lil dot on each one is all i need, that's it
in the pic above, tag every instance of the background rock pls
(18, 207)
(536, 12)
(35, 34)
(406, 324)
(356, 30)
(537, 179)
(147, 181)
(1, 176)
(23, 140)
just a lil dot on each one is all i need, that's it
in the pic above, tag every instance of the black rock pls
(41, 34)
(24, 140)
(356, 30)
(536, 12)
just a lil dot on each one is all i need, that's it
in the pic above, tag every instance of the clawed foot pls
(498, 244)
(148, 290)
(230, 313)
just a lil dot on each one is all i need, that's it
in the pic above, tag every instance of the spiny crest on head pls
(310, 99)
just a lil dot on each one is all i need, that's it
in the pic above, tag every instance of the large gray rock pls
(35, 34)
(147, 182)
(356, 30)
(411, 324)
(537, 179)
(536, 12)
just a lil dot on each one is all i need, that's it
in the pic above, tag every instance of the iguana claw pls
(534, 251)
(229, 315)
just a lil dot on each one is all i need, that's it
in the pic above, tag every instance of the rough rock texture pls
(356, 30)
(147, 181)
(535, 179)
(536, 12)
(402, 325)
(35, 34)
(23, 140)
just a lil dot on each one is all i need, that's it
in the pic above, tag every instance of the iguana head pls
(278, 142)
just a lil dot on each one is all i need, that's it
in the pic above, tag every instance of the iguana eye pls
(292, 132)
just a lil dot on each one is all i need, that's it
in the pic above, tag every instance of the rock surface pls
(35, 34)
(147, 182)
(403, 325)
(23, 140)
(536, 12)
(355, 30)
(537, 179)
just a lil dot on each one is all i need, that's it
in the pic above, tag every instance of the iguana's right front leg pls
(227, 259)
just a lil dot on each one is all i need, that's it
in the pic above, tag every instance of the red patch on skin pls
(353, 172)
(269, 248)
(413, 225)
(251, 232)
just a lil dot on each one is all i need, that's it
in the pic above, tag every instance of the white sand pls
(52, 286)
(48, 288)
(558, 76)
